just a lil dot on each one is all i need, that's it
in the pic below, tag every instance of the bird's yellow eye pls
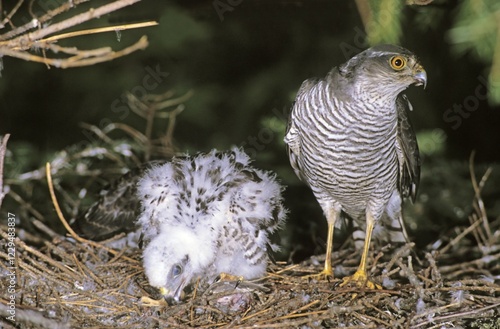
(398, 62)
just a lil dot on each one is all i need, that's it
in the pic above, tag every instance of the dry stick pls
(97, 30)
(482, 209)
(371, 319)
(466, 288)
(37, 271)
(28, 206)
(480, 261)
(381, 312)
(71, 62)
(3, 149)
(290, 315)
(89, 272)
(398, 255)
(169, 136)
(435, 273)
(45, 258)
(412, 277)
(65, 223)
(36, 22)
(27, 40)
(455, 315)
(37, 319)
(21, 245)
(296, 324)
(9, 16)
(138, 136)
(277, 273)
(301, 308)
(176, 101)
(96, 130)
(477, 192)
(459, 237)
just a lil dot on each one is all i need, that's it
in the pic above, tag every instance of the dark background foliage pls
(244, 66)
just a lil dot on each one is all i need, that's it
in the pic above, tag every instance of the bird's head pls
(176, 258)
(387, 68)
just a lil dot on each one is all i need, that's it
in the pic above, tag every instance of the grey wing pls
(409, 157)
(292, 135)
(116, 210)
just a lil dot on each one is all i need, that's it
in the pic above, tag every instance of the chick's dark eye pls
(398, 62)
(176, 270)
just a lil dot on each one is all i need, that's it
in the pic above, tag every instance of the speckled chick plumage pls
(206, 215)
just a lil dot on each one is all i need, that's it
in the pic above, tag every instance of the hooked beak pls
(420, 76)
(173, 297)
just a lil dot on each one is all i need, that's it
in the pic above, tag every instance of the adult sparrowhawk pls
(349, 138)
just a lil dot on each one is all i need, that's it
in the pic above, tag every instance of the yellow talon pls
(323, 275)
(360, 279)
(229, 277)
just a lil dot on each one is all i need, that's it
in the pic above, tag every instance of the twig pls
(75, 61)
(435, 273)
(456, 315)
(97, 30)
(65, 223)
(19, 42)
(3, 150)
(459, 237)
(478, 201)
(27, 40)
(175, 101)
(34, 318)
(9, 16)
(399, 254)
(138, 136)
(25, 204)
(67, 5)
(58, 209)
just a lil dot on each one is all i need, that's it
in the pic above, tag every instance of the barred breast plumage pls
(350, 140)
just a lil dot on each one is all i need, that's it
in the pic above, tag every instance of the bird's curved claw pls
(360, 280)
(229, 277)
(321, 276)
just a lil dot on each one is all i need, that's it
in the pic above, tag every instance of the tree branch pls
(3, 150)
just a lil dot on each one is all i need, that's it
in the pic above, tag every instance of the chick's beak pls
(172, 297)
(168, 296)
(420, 76)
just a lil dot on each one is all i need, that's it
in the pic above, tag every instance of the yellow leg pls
(360, 277)
(327, 270)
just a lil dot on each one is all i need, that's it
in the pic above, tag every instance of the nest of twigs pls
(63, 283)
